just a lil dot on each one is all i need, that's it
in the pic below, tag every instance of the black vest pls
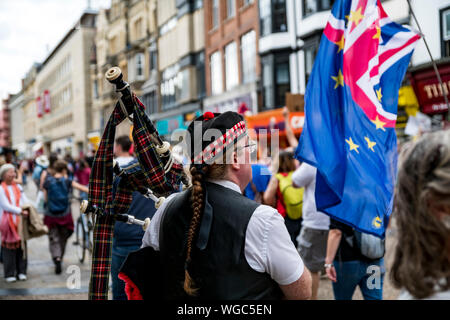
(220, 270)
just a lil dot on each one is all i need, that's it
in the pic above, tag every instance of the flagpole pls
(444, 92)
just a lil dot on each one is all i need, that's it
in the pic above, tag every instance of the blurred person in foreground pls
(421, 264)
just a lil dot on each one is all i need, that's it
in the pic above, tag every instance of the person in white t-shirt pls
(421, 266)
(312, 240)
(122, 146)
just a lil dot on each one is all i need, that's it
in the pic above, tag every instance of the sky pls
(30, 30)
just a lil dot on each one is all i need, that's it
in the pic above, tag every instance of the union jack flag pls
(351, 110)
(372, 43)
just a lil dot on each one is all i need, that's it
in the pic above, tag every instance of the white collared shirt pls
(123, 161)
(268, 246)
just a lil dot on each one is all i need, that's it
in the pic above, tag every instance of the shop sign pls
(429, 91)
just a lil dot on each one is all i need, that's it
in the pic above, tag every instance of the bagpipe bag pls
(152, 175)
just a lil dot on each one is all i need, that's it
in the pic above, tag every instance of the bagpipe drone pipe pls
(156, 176)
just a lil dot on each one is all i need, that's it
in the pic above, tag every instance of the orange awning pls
(264, 122)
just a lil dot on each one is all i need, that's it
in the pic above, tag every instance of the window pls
(273, 16)
(266, 18)
(267, 81)
(95, 89)
(310, 50)
(198, 4)
(139, 61)
(153, 59)
(230, 8)
(169, 88)
(279, 16)
(175, 86)
(169, 25)
(64, 97)
(138, 30)
(182, 85)
(248, 56)
(200, 74)
(281, 79)
(136, 67)
(309, 7)
(150, 101)
(446, 25)
(310, 55)
(247, 2)
(113, 45)
(276, 79)
(216, 73)
(231, 66)
(313, 6)
(215, 14)
(445, 18)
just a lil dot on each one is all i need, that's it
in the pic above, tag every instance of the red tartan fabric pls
(101, 257)
(151, 176)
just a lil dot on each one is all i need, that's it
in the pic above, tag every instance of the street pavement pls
(73, 282)
(43, 283)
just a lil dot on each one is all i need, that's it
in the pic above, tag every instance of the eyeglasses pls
(251, 145)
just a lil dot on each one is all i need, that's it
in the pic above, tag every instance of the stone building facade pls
(232, 63)
(63, 91)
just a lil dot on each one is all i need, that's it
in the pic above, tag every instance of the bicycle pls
(84, 234)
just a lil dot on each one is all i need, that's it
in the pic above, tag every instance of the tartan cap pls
(212, 133)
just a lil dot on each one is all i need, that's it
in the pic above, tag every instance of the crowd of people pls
(54, 178)
(287, 244)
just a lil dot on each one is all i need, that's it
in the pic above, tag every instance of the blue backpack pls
(57, 195)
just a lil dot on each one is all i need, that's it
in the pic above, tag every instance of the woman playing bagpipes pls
(210, 241)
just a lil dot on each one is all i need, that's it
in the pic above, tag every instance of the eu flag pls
(351, 110)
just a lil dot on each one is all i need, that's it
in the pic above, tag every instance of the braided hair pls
(230, 124)
(198, 174)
